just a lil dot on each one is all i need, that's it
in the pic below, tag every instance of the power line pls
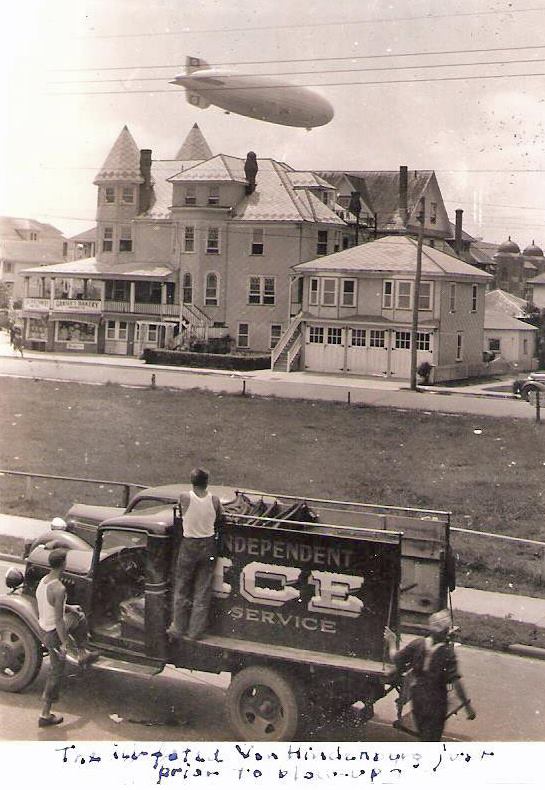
(494, 205)
(346, 23)
(306, 85)
(315, 60)
(316, 73)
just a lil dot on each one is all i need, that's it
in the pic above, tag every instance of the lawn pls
(489, 472)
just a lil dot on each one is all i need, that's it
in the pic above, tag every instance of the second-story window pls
(404, 295)
(433, 213)
(425, 296)
(117, 290)
(213, 196)
(211, 289)
(257, 241)
(189, 238)
(452, 297)
(337, 241)
(313, 291)
(107, 239)
(109, 195)
(190, 195)
(127, 195)
(348, 298)
(388, 294)
(187, 288)
(329, 291)
(261, 290)
(321, 247)
(474, 297)
(213, 241)
(125, 239)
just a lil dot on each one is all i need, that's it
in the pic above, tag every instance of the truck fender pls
(24, 609)
(62, 540)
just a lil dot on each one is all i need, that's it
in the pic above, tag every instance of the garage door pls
(367, 351)
(324, 348)
(400, 359)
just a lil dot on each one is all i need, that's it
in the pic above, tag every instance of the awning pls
(82, 318)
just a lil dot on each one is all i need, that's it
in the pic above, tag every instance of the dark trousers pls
(193, 585)
(429, 712)
(76, 625)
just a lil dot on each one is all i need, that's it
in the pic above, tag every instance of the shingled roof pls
(123, 161)
(194, 148)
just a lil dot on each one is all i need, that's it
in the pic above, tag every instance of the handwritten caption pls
(288, 762)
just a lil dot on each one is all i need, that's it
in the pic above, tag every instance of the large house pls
(355, 313)
(197, 246)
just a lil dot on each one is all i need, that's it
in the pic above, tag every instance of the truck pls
(303, 590)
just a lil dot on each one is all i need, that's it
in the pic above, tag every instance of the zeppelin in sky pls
(265, 98)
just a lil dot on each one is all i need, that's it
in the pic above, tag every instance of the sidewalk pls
(16, 530)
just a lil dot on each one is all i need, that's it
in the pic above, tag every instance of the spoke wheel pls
(20, 654)
(262, 705)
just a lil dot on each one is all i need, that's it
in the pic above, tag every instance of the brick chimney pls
(403, 187)
(458, 232)
(144, 193)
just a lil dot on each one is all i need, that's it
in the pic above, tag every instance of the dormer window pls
(190, 195)
(213, 196)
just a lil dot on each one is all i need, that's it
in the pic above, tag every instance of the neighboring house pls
(197, 246)
(23, 243)
(83, 245)
(503, 302)
(510, 340)
(515, 271)
(356, 313)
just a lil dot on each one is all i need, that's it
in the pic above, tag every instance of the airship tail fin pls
(194, 64)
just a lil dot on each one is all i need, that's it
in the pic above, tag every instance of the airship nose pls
(177, 80)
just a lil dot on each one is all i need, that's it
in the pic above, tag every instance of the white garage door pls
(367, 351)
(324, 348)
(400, 359)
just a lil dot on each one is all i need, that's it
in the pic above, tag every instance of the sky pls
(74, 73)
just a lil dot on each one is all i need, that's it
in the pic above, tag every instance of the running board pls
(127, 667)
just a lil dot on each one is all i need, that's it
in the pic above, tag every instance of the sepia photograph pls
(272, 356)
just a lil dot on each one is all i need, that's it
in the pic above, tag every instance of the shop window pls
(75, 331)
(37, 329)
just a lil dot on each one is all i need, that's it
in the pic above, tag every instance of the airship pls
(264, 98)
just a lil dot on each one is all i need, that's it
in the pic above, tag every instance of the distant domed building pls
(514, 269)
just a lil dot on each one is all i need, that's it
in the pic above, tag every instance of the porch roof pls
(368, 319)
(90, 268)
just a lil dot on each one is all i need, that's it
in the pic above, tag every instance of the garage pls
(325, 348)
(367, 352)
(400, 357)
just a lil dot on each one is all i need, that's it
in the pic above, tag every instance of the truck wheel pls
(262, 705)
(20, 654)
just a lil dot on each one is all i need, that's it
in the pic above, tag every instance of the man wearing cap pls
(60, 624)
(434, 667)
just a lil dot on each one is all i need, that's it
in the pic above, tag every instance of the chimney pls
(458, 232)
(403, 186)
(250, 171)
(144, 195)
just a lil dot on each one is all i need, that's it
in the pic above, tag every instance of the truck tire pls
(262, 705)
(20, 654)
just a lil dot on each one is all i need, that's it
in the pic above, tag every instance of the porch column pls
(163, 293)
(26, 286)
(52, 294)
(131, 297)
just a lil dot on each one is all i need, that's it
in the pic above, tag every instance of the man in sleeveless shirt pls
(434, 667)
(60, 624)
(201, 516)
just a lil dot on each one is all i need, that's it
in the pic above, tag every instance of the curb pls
(496, 395)
(528, 651)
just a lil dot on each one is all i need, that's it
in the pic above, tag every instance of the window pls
(403, 340)
(337, 241)
(494, 344)
(423, 341)
(37, 328)
(261, 290)
(349, 293)
(276, 334)
(404, 295)
(152, 333)
(213, 196)
(125, 239)
(459, 346)
(127, 196)
(334, 336)
(8, 267)
(257, 241)
(75, 332)
(211, 289)
(452, 297)
(147, 292)
(117, 290)
(33, 237)
(358, 337)
(107, 239)
(321, 247)
(425, 296)
(329, 291)
(313, 295)
(243, 336)
(213, 241)
(189, 238)
(190, 195)
(110, 330)
(346, 242)
(187, 288)
(474, 297)
(388, 294)
(109, 195)
(376, 338)
(316, 334)
(116, 330)
(524, 346)
(433, 213)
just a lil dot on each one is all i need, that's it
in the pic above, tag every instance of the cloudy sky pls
(463, 93)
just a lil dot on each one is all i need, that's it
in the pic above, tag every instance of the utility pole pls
(355, 208)
(416, 299)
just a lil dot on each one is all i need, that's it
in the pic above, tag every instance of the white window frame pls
(125, 237)
(187, 287)
(423, 341)
(212, 230)
(189, 239)
(474, 297)
(360, 336)
(459, 346)
(353, 294)
(127, 195)
(259, 289)
(334, 336)
(275, 335)
(213, 196)
(316, 335)
(314, 291)
(212, 301)
(190, 197)
(245, 335)
(452, 297)
(428, 283)
(117, 332)
(377, 334)
(388, 298)
(258, 237)
(335, 292)
(400, 295)
(107, 191)
(402, 340)
(152, 329)
(108, 238)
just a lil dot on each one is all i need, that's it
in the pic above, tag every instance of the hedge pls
(193, 359)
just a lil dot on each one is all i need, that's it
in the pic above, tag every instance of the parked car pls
(535, 382)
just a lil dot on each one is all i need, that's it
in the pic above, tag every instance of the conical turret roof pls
(123, 161)
(194, 147)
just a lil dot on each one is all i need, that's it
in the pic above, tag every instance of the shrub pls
(192, 359)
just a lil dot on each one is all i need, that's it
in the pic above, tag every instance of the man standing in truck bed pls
(201, 517)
